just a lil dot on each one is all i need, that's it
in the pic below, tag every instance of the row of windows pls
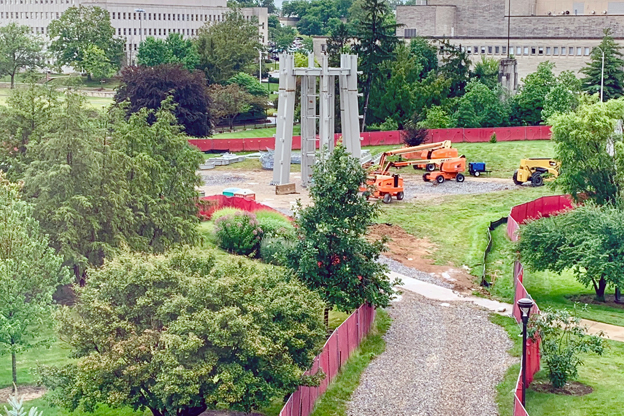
(155, 32)
(36, 1)
(530, 50)
(171, 16)
(29, 15)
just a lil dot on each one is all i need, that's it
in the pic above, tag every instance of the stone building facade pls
(561, 31)
(133, 20)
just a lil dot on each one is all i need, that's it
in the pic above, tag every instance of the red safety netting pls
(519, 410)
(378, 138)
(339, 346)
(210, 204)
(541, 207)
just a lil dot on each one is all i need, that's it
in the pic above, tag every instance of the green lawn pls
(457, 223)
(96, 102)
(603, 373)
(253, 133)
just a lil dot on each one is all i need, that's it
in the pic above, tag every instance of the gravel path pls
(399, 267)
(469, 186)
(439, 361)
(222, 178)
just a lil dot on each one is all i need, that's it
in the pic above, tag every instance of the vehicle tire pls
(515, 178)
(415, 167)
(537, 179)
(430, 167)
(400, 196)
(477, 173)
(387, 198)
(460, 177)
(426, 177)
(440, 179)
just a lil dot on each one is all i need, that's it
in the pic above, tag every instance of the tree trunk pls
(600, 290)
(618, 295)
(14, 371)
(13, 80)
(366, 105)
(326, 318)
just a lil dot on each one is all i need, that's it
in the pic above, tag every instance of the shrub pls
(389, 125)
(273, 249)
(224, 212)
(239, 233)
(493, 138)
(563, 339)
(273, 227)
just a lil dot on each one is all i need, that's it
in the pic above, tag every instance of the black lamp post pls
(525, 306)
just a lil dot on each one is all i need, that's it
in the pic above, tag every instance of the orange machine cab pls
(449, 169)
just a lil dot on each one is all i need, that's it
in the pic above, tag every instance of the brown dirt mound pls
(589, 299)
(572, 388)
(23, 392)
(418, 253)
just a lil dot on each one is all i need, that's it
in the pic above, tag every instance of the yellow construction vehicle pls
(534, 170)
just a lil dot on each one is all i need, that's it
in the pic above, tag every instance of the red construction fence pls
(379, 138)
(541, 207)
(339, 346)
(215, 202)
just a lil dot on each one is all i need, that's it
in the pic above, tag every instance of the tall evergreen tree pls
(613, 69)
(376, 36)
(455, 67)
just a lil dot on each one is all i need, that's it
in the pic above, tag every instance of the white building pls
(133, 20)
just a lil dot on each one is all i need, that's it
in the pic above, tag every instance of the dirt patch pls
(589, 299)
(572, 388)
(417, 253)
(23, 392)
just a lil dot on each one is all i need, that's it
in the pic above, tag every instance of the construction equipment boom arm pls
(384, 167)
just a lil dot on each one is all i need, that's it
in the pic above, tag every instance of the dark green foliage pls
(590, 152)
(173, 50)
(274, 250)
(564, 338)
(281, 37)
(332, 255)
(563, 97)
(239, 233)
(249, 83)
(588, 240)
(486, 72)
(147, 87)
(455, 67)
(79, 28)
(276, 227)
(481, 107)
(228, 47)
(613, 63)
(376, 39)
(19, 49)
(338, 43)
(528, 103)
(181, 333)
(317, 17)
(426, 55)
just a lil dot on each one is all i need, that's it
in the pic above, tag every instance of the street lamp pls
(525, 306)
(601, 74)
(140, 11)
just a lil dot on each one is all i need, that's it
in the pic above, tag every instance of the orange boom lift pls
(430, 156)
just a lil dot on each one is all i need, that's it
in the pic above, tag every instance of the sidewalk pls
(439, 293)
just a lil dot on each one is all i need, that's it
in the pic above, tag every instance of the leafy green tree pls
(30, 273)
(426, 55)
(590, 151)
(180, 333)
(332, 255)
(338, 43)
(613, 63)
(173, 50)
(480, 107)
(455, 67)
(528, 103)
(78, 29)
(228, 47)
(376, 41)
(148, 87)
(563, 339)
(230, 101)
(249, 83)
(19, 49)
(486, 72)
(281, 37)
(588, 240)
(437, 118)
(563, 97)
(96, 63)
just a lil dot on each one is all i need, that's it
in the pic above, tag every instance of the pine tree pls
(613, 65)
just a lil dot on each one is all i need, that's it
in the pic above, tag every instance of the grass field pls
(253, 133)
(96, 102)
(603, 373)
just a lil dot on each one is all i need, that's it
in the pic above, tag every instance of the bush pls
(239, 233)
(389, 125)
(493, 138)
(563, 339)
(273, 249)
(224, 212)
(273, 227)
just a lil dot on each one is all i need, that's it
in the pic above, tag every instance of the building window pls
(518, 50)
(483, 50)
(579, 51)
(505, 50)
(526, 50)
(497, 49)
(540, 51)
(475, 50)
(556, 50)
(570, 50)
(469, 49)
(586, 51)
(125, 31)
(489, 50)
(133, 16)
(410, 33)
(532, 50)
(548, 50)
(124, 16)
(563, 50)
